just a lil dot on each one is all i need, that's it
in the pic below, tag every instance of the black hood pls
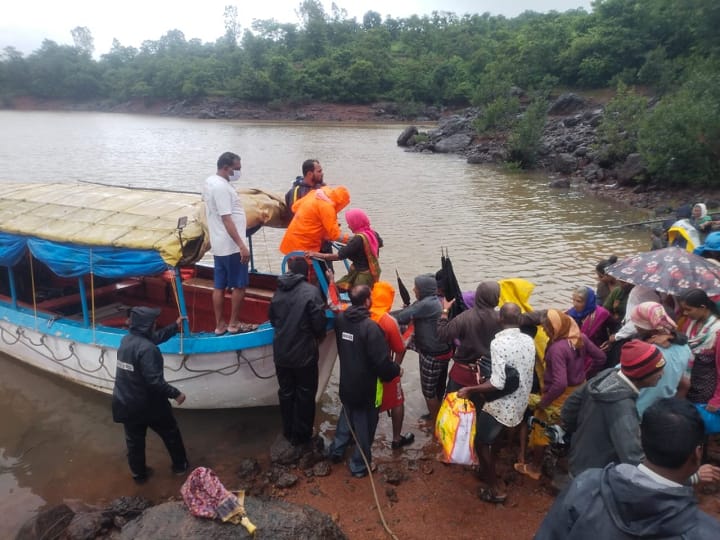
(638, 506)
(357, 313)
(142, 320)
(289, 281)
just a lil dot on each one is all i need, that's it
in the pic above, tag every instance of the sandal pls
(488, 496)
(241, 328)
(221, 331)
(523, 468)
(405, 440)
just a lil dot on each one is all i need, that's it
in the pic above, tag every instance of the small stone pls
(391, 494)
(286, 480)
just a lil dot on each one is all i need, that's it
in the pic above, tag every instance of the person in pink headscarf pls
(362, 250)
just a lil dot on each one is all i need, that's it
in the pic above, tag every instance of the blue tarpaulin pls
(70, 260)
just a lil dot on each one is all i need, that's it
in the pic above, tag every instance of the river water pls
(57, 440)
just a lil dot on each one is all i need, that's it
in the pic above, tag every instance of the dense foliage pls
(669, 47)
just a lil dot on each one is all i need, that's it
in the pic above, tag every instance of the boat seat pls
(55, 304)
(203, 284)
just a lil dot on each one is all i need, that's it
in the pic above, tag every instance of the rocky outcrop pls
(275, 520)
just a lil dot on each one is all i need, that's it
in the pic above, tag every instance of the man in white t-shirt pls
(512, 348)
(226, 223)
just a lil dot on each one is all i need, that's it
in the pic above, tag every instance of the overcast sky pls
(25, 23)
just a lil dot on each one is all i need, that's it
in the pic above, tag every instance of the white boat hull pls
(210, 380)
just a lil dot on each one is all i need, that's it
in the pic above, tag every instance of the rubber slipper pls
(405, 440)
(523, 468)
(240, 328)
(220, 331)
(488, 496)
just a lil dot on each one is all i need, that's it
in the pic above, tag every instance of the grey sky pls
(26, 23)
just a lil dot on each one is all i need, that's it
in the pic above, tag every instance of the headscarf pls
(382, 298)
(487, 295)
(652, 316)
(590, 307)
(562, 326)
(703, 209)
(359, 222)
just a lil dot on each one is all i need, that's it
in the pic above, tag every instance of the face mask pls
(235, 175)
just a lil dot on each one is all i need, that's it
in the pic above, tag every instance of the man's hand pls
(447, 304)
(711, 408)
(180, 399)
(244, 254)
(179, 320)
(464, 392)
(709, 473)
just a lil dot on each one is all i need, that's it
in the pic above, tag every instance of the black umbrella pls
(450, 284)
(404, 294)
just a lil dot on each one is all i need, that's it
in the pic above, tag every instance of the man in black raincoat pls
(364, 357)
(141, 394)
(297, 312)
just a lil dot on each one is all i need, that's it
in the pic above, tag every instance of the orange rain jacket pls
(315, 220)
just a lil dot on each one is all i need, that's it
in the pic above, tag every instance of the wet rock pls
(565, 163)
(567, 104)
(406, 135)
(322, 468)
(88, 525)
(49, 524)
(274, 519)
(286, 480)
(249, 468)
(633, 167)
(454, 143)
(393, 475)
(561, 183)
(128, 507)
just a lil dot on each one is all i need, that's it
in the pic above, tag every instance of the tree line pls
(671, 49)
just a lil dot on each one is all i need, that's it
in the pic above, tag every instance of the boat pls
(78, 256)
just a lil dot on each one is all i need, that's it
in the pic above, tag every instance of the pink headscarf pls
(358, 222)
(652, 316)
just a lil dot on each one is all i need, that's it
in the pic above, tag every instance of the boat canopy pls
(113, 231)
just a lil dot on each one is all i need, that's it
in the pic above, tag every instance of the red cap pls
(639, 359)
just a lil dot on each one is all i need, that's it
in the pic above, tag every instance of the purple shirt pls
(565, 366)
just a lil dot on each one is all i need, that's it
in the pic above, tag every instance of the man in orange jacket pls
(315, 220)
(393, 400)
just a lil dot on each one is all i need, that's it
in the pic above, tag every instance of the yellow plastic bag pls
(455, 429)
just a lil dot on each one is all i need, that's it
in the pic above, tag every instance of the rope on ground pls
(370, 476)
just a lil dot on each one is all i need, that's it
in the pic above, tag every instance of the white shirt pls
(222, 200)
(515, 349)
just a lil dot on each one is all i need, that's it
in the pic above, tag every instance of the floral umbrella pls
(671, 270)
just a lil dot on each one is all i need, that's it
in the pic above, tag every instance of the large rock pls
(565, 163)
(49, 524)
(275, 520)
(632, 167)
(454, 143)
(567, 104)
(407, 134)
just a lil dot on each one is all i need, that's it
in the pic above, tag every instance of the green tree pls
(526, 136)
(680, 138)
(618, 131)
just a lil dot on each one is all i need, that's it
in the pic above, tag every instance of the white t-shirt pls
(222, 200)
(515, 349)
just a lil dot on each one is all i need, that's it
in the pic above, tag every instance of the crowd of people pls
(631, 376)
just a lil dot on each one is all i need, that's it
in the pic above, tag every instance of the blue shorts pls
(230, 272)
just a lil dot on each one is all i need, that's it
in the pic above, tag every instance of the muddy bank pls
(234, 109)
